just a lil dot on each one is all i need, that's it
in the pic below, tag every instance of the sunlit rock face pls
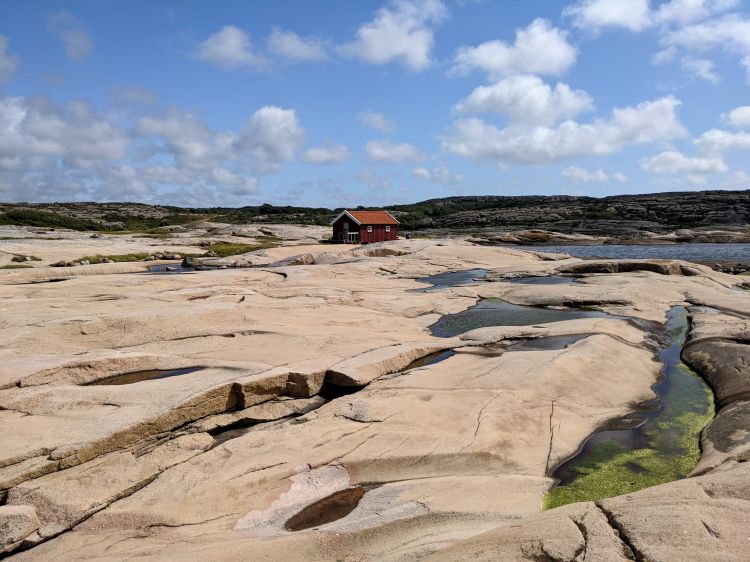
(308, 409)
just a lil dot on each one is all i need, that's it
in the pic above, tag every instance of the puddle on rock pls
(331, 508)
(170, 268)
(550, 343)
(139, 376)
(451, 279)
(545, 280)
(496, 312)
(430, 359)
(657, 443)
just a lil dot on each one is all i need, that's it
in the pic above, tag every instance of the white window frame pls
(369, 229)
(387, 228)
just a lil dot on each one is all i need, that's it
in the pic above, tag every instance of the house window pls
(387, 228)
(369, 229)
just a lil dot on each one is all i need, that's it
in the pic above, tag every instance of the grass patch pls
(18, 258)
(673, 450)
(15, 266)
(115, 258)
(670, 439)
(226, 249)
(31, 217)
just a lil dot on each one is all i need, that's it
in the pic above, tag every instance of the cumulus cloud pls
(701, 68)
(394, 153)
(738, 117)
(645, 123)
(188, 140)
(581, 175)
(634, 15)
(289, 45)
(674, 162)
(730, 33)
(35, 129)
(73, 34)
(539, 48)
(327, 154)
(717, 141)
(438, 174)
(49, 152)
(8, 63)
(377, 121)
(270, 137)
(403, 31)
(637, 15)
(527, 99)
(682, 12)
(230, 48)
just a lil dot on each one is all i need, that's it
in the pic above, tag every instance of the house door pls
(345, 231)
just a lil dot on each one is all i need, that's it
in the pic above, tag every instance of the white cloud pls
(637, 15)
(188, 140)
(730, 33)
(673, 162)
(395, 153)
(73, 152)
(527, 99)
(293, 47)
(403, 31)
(229, 48)
(538, 49)
(717, 141)
(739, 117)
(8, 63)
(377, 121)
(239, 185)
(32, 130)
(664, 56)
(327, 154)
(682, 12)
(582, 175)
(645, 123)
(594, 15)
(701, 68)
(271, 136)
(438, 174)
(73, 34)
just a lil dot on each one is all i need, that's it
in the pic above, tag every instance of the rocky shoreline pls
(299, 395)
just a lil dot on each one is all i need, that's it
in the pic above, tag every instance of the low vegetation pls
(15, 266)
(18, 258)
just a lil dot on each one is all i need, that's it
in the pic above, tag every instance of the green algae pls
(663, 448)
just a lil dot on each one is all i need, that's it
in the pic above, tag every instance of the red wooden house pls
(364, 227)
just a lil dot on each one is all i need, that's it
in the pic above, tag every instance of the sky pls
(339, 103)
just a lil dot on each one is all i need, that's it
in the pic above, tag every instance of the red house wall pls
(378, 233)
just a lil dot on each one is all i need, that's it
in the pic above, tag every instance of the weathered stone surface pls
(662, 267)
(364, 368)
(17, 522)
(444, 452)
(65, 498)
(702, 518)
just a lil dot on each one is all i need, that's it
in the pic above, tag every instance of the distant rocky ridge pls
(621, 216)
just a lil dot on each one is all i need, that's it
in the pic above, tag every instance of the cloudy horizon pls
(370, 103)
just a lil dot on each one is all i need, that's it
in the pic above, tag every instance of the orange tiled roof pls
(373, 217)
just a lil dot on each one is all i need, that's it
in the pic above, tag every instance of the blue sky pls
(343, 103)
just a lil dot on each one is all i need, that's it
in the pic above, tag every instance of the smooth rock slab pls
(16, 523)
